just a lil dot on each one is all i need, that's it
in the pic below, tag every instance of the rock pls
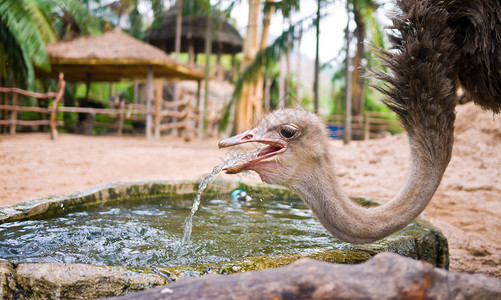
(386, 276)
(78, 281)
(7, 285)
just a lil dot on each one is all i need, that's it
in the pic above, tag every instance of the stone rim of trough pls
(413, 246)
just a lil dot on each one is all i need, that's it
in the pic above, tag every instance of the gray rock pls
(79, 281)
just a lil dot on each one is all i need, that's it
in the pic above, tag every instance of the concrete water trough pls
(99, 256)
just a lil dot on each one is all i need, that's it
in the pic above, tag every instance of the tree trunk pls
(298, 68)
(347, 119)
(288, 99)
(246, 109)
(317, 60)
(357, 86)
(177, 46)
(179, 19)
(208, 46)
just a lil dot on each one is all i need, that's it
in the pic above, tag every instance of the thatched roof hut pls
(113, 56)
(225, 38)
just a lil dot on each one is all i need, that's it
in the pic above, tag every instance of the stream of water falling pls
(230, 160)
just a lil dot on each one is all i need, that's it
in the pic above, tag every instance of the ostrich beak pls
(245, 137)
(270, 147)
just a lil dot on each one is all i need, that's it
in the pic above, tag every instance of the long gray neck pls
(356, 224)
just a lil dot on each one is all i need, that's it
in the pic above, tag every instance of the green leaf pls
(20, 23)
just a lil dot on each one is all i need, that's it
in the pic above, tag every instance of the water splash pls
(228, 161)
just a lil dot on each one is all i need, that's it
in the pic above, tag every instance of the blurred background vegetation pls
(266, 66)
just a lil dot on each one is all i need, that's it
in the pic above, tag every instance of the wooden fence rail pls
(13, 122)
(370, 125)
(177, 115)
(167, 115)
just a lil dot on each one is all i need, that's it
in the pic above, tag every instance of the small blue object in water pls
(336, 132)
(239, 197)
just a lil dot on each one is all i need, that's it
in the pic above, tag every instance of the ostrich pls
(438, 44)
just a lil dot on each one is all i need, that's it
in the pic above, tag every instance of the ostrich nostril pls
(247, 137)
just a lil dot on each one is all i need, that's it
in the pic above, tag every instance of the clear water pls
(147, 234)
(230, 160)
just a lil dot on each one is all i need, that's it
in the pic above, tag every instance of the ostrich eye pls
(289, 131)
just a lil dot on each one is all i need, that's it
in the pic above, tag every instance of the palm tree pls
(265, 58)
(363, 14)
(25, 31)
(26, 26)
(317, 59)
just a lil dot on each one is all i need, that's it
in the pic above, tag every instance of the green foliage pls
(286, 6)
(24, 28)
(136, 24)
(28, 25)
(264, 59)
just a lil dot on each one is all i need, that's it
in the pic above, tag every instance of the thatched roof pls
(225, 37)
(113, 56)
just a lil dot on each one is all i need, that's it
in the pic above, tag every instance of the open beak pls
(269, 148)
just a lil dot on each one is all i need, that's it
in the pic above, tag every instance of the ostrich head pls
(291, 143)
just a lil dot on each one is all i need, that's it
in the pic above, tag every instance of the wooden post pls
(136, 92)
(158, 99)
(87, 87)
(121, 117)
(149, 98)
(187, 122)
(367, 126)
(199, 92)
(191, 50)
(13, 114)
(233, 66)
(53, 115)
(220, 72)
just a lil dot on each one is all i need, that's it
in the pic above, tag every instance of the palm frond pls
(39, 13)
(76, 13)
(18, 21)
(13, 59)
(82, 16)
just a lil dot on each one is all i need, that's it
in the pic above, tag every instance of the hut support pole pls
(136, 92)
(187, 121)
(87, 86)
(158, 99)
(121, 117)
(233, 66)
(191, 50)
(149, 98)
(220, 74)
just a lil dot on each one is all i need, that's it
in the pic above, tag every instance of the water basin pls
(147, 233)
(137, 227)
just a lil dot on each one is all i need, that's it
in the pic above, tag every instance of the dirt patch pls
(467, 205)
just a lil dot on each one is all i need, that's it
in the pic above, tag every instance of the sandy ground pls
(467, 205)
